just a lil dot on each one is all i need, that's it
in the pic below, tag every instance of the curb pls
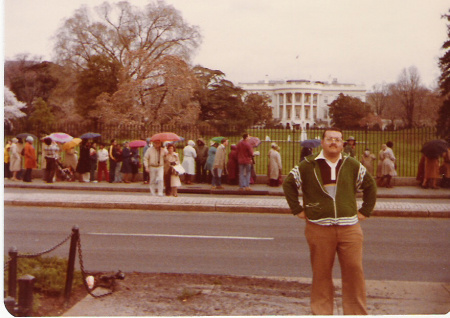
(209, 191)
(215, 207)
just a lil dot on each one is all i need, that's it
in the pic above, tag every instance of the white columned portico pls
(284, 107)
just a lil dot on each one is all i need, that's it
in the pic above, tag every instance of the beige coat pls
(220, 158)
(15, 158)
(274, 164)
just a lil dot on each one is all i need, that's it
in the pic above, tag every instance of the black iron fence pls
(407, 142)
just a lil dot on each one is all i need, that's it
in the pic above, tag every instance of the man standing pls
(145, 174)
(245, 160)
(154, 164)
(202, 155)
(50, 151)
(329, 182)
(112, 160)
(102, 163)
(219, 164)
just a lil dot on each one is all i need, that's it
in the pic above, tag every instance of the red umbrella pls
(165, 136)
(137, 143)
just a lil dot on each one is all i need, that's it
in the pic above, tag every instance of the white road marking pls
(187, 236)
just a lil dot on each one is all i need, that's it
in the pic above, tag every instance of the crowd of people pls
(161, 167)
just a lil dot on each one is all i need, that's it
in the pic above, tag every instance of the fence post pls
(12, 277)
(26, 284)
(71, 265)
(10, 305)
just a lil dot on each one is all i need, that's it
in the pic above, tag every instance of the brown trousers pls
(324, 242)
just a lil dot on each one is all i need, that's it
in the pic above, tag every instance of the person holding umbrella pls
(432, 150)
(84, 164)
(154, 164)
(30, 158)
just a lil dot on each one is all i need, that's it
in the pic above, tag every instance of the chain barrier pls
(5, 268)
(84, 275)
(46, 251)
(80, 255)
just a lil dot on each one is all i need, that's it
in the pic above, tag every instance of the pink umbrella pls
(254, 141)
(60, 137)
(137, 143)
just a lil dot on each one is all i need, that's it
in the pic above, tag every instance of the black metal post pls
(71, 265)
(26, 284)
(12, 275)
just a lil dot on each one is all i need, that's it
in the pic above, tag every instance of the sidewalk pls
(263, 199)
(383, 298)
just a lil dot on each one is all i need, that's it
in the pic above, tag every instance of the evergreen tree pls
(443, 122)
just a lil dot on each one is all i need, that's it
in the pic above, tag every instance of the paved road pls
(408, 249)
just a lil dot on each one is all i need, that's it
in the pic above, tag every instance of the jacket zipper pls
(337, 178)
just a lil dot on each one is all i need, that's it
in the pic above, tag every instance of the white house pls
(303, 102)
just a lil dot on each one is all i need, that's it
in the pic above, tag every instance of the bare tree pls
(151, 46)
(117, 30)
(409, 92)
(378, 100)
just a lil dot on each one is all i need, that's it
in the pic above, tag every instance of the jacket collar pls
(312, 158)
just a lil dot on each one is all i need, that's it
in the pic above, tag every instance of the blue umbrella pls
(90, 135)
(310, 143)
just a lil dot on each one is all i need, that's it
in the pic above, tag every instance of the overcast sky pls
(355, 41)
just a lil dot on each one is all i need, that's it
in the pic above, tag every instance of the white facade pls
(302, 102)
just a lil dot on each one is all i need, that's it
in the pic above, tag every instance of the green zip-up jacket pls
(319, 206)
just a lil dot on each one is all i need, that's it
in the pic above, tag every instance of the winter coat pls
(189, 155)
(319, 206)
(244, 152)
(30, 156)
(274, 164)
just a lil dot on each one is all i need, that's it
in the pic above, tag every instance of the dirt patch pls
(142, 294)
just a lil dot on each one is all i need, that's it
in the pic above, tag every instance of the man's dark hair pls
(390, 144)
(48, 141)
(112, 140)
(244, 136)
(332, 129)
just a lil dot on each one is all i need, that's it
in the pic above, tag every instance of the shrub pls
(50, 274)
